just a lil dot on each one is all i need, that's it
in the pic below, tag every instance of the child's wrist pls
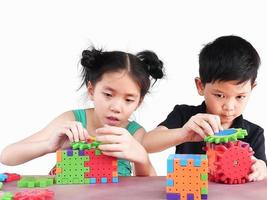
(183, 135)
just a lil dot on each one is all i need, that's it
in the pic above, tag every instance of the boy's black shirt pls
(182, 113)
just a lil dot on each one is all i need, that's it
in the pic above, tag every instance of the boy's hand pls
(201, 125)
(118, 142)
(72, 131)
(259, 170)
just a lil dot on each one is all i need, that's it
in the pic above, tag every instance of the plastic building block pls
(187, 177)
(226, 136)
(3, 177)
(37, 194)
(12, 177)
(31, 182)
(230, 162)
(6, 196)
(85, 164)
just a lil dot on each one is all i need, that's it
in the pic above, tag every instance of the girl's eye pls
(129, 100)
(107, 94)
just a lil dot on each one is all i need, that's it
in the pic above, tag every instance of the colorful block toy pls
(187, 177)
(85, 164)
(229, 159)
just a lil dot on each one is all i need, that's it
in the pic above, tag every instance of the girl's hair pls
(140, 67)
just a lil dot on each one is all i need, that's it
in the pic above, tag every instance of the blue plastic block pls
(115, 180)
(104, 180)
(92, 180)
(169, 182)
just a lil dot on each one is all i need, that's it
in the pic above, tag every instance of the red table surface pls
(131, 188)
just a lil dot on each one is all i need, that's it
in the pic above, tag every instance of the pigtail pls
(153, 65)
(89, 62)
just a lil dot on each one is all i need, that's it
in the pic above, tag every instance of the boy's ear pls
(140, 101)
(90, 89)
(200, 86)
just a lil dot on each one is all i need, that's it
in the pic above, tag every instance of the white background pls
(41, 43)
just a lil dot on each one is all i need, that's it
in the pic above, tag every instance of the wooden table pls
(138, 188)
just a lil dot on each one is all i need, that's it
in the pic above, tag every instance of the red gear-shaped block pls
(229, 163)
(39, 194)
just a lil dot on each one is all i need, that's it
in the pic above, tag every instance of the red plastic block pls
(229, 163)
(39, 194)
(12, 177)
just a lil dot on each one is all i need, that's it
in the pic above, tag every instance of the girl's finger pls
(109, 139)
(110, 147)
(69, 134)
(110, 130)
(80, 131)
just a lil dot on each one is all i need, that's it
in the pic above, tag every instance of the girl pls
(116, 83)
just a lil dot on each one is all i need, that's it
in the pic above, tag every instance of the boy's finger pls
(205, 127)
(195, 127)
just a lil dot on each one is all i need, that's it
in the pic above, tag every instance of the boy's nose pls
(229, 105)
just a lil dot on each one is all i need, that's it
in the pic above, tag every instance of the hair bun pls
(89, 58)
(154, 65)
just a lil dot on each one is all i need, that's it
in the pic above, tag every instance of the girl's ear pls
(254, 85)
(90, 89)
(200, 87)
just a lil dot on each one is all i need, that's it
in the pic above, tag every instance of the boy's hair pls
(140, 67)
(228, 58)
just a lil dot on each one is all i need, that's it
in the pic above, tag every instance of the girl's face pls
(226, 99)
(115, 97)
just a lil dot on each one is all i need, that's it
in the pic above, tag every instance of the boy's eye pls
(219, 95)
(241, 97)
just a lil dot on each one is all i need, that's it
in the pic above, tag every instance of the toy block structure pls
(229, 159)
(85, 164)
(187, 177)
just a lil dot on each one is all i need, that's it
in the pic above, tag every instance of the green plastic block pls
(204, 190)
(32, 182)
(204, 177)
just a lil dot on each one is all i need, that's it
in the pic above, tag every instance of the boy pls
(228, 70)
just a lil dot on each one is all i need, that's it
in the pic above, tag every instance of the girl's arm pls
(118, 142)
(145, 168)
(56, 135)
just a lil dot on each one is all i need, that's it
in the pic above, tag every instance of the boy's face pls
(227, 99)
(115, 96)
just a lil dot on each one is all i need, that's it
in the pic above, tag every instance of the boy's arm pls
(162, 138)
(194, 130)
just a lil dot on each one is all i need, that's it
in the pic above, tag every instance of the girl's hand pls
(72, 131)
(259, 170)
(201, 125)
(118, 142)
